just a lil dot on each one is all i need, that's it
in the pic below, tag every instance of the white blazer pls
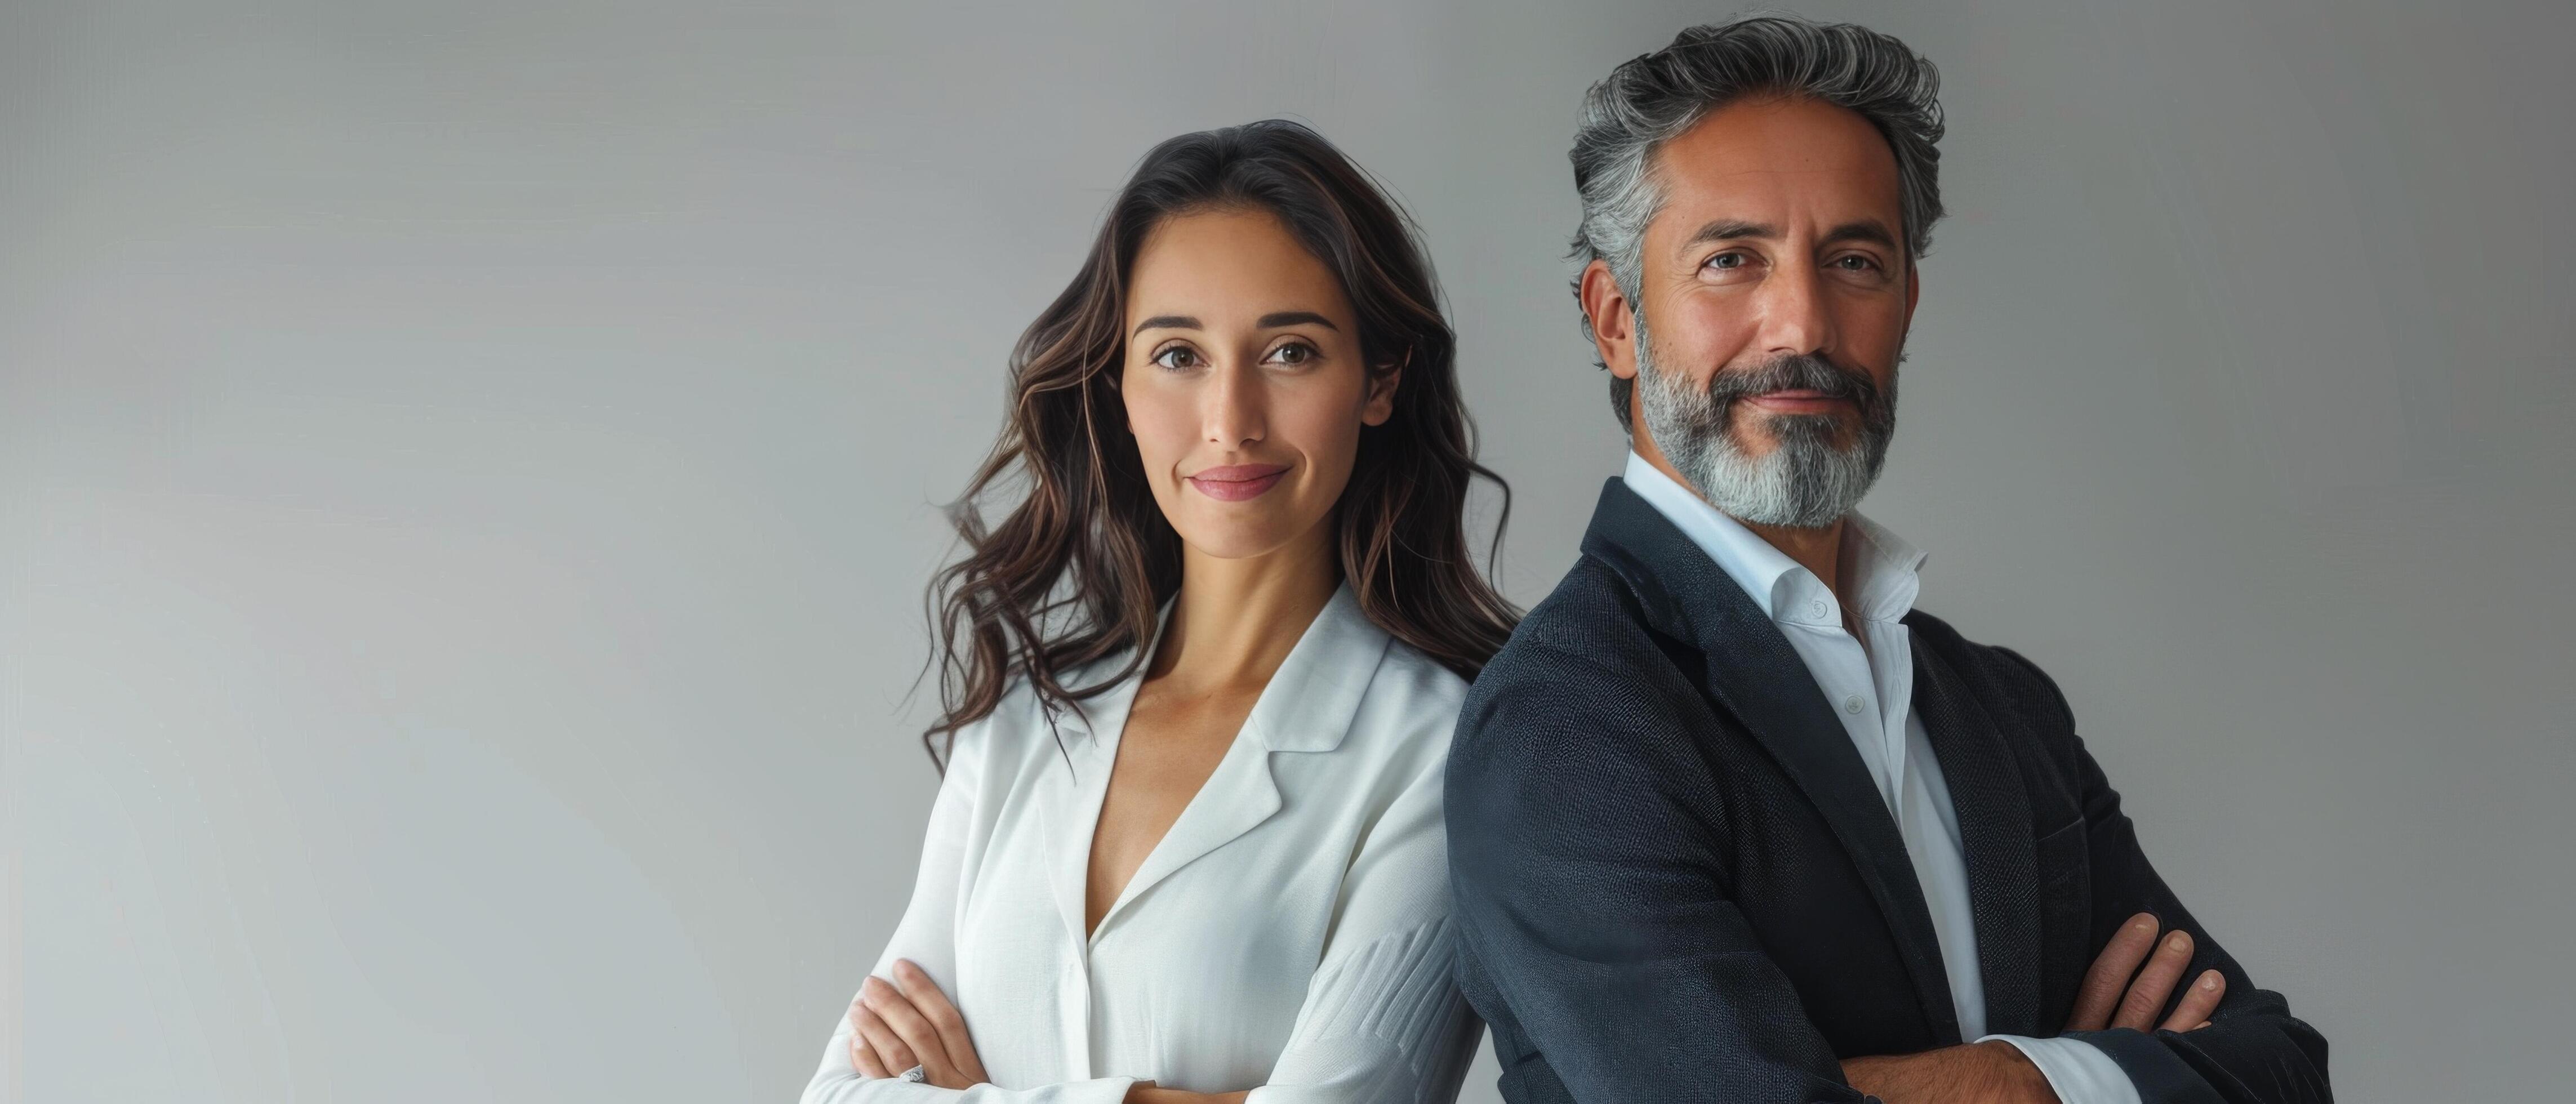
(1291, 931)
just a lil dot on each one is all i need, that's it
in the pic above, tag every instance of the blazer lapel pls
(1759, 678)
(1307, 707)
(1237, 797)
(1072, 805)
(1995, 830)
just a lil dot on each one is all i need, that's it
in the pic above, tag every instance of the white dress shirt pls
(1870, 683)
(1291, 931)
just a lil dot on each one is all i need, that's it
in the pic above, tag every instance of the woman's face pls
(1243, 381)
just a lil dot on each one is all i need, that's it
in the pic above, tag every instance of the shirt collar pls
(1886, 567)
(1312, 698)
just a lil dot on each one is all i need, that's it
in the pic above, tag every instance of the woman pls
(1199, 683)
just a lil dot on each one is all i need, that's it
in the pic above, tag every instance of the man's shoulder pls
(1583, 675)
(1996, 673)
(1588, 726)
(1591, 625)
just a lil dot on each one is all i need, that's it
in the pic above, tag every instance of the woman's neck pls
(1235, 621)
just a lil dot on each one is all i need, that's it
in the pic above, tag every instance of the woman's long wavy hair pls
(1079, 569)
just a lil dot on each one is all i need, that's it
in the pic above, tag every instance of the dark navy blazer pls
(1676, 882)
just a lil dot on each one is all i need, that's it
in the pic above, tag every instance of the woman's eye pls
(1294, 352)
(1175, 358)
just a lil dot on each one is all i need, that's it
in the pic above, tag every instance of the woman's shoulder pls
(1412, 701)
(1424, 681)
(1022, 719)
(1012, 711)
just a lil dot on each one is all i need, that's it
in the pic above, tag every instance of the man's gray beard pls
(1804, 481)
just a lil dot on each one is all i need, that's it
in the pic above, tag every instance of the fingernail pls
(2179, 941)
(2145, 923)
(2209, 980)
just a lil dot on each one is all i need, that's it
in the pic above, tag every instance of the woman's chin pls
(1237, 538)
(1232, 549)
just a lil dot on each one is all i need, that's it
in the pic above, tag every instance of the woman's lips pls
(1237, 482)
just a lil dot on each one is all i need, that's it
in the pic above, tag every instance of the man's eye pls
(1727, 261)
(1855, 263)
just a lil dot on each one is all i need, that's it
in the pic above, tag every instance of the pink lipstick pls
(1237, 482)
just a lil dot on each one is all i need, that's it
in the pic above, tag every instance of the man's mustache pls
(1795, 372)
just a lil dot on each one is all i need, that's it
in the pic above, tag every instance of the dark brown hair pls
(1080, 567)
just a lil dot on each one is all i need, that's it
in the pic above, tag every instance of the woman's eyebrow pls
(1271, 321)
(1277, 319)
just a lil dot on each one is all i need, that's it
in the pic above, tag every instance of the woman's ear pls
(1381, 391)
(1117, 376)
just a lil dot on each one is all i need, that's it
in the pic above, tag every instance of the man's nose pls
(1796, 318)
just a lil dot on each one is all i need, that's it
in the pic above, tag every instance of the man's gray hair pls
(1652, 99)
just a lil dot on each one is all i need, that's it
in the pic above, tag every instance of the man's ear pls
(1607, 311)
(1913, 289)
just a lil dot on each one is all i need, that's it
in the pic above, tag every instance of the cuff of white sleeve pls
(2077, 1070)
(1109, 1090)
(1098, 1090)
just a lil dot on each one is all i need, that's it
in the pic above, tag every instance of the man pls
(1728, 819)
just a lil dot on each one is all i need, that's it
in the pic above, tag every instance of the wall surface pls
(468, 471)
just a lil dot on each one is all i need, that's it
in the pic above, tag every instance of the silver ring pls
(914, 1074)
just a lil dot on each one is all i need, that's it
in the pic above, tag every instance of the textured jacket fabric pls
(1675, 880)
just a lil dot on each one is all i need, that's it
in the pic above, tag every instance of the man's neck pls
(1817, 550)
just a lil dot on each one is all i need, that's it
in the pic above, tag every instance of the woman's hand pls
(910, 1022)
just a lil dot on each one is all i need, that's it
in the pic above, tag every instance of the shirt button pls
(1816, 608)
(1852, 704)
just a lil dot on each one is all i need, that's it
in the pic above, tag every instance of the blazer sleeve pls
(1382, 1021)
(1585, 831)
(2253, 1051)
(927, 935)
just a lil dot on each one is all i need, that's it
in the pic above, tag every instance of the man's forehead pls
(1805, 152)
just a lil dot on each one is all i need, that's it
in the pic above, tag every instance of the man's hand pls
(2117, 992)
(1986, 1073)
(908, 1023)
(2112, 997)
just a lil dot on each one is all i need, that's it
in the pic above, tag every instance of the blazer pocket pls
(2061, 853)
(2065, 920)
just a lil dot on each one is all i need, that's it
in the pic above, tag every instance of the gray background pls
(468, 475)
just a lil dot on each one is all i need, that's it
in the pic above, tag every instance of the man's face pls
(1776, 295)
